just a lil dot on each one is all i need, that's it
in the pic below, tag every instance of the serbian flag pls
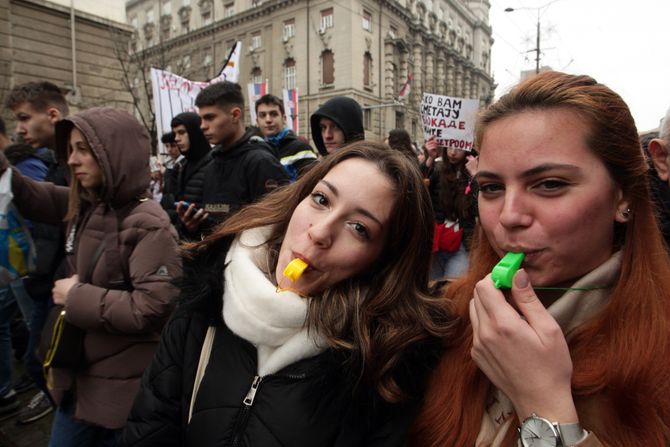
(291, 109)
(255, 92)
(406, 88)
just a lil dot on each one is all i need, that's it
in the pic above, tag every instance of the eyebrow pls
(532, 171)
(360, 210)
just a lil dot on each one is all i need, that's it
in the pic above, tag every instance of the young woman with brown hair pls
(578, 353)
(336, 358)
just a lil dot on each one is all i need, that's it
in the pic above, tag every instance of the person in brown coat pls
(122, 255)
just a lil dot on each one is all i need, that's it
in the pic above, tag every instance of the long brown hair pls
(385, 312)
(621, 358)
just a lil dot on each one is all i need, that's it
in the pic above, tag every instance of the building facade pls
(364, 49)
(38, 42)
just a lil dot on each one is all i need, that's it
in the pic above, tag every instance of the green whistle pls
(504, 270)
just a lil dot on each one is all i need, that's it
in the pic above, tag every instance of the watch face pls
(536, 432)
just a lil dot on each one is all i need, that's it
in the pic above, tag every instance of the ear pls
(659, 156)
(236, 112)
(623, 212)
(54, 115)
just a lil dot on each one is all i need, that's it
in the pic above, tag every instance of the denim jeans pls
(449, 264)
(12, 297)
(67, 432)
(31, 363)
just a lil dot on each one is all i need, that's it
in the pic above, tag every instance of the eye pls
(360, 229)
(319, 199)
(490, 188)
(551, 185)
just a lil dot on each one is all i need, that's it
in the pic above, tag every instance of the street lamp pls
(537, 34)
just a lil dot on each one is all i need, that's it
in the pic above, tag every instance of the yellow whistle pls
(295, 269)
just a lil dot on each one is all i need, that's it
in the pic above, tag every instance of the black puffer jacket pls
(348, 116)
(239, 175)
(187, 181)
(308, 403)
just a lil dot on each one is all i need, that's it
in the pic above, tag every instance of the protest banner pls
(451, 120)
(291, 109)
(255, 91)
(173, 94)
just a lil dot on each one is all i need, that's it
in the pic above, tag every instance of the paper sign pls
(451, 120)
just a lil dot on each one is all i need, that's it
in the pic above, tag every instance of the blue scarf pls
(276, 139)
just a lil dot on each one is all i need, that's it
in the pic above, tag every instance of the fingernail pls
(521, 279)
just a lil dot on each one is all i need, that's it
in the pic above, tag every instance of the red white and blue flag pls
(405, 89)
(256, 90)
(291, 109)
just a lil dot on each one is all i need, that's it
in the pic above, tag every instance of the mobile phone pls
(185, 204)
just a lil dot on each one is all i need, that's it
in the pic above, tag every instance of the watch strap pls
(571, 434)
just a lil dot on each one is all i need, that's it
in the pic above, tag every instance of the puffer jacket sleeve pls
(39, 201)
(145, 308)
(158, 416)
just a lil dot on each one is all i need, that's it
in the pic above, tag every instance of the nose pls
(321, 233)
(515, 212)
(19, 128)
(327, 133)
(72, 159)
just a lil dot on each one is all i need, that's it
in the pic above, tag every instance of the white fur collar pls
(272, 321)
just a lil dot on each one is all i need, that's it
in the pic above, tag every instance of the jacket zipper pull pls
(249, 399)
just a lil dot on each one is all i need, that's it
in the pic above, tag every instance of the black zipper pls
(248, 401)
(243, 414)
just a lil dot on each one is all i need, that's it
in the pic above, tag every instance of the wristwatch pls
(536, 431)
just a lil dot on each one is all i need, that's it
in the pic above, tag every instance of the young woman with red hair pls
(578, 351)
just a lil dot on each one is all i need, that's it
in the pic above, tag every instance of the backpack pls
(17, 250)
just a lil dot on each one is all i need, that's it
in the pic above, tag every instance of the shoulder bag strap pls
(202, 366)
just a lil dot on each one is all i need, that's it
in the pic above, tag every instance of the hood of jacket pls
(348, 116)
(121, 146)
(199, 146)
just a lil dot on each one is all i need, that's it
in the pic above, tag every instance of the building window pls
(150, 15)
(167, 8)
(393, 32)
(327, 18)
(133, 22)
(185, 2)
(367, 21)
(256, 75)
(207, 60)
(256, 3)
(228, 10)
(367, 69)
(256, 40)
(399, 120)
(289, 74)
(327, 67)
(289, 28)
(207, 18)
(367, 118)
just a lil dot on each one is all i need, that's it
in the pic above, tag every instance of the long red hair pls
(621, 358)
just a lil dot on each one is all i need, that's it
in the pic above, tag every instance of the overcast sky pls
(623, 44)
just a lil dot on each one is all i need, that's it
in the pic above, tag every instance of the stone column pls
(417, 85)
(466, 82)
(430, 69)
(458, 84)
(451, 76)
(440, 80)
(388, 71)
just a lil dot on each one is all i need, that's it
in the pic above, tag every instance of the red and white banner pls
(173, 94)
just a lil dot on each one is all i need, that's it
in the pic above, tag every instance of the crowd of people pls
(190, 330)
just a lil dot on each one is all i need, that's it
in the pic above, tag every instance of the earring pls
(626, 213)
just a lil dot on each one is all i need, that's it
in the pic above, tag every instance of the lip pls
(310, 264)
(531, 254)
